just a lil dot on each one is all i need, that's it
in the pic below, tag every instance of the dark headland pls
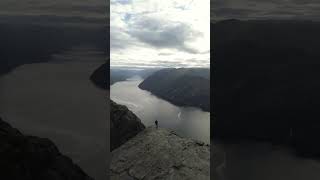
(33, 158)
(182, 86)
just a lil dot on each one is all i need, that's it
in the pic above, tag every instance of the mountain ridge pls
(183, 86)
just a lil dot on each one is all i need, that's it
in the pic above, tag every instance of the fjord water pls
(57, 100)
(185, 121)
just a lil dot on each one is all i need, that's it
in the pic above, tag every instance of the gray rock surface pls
(160, 154)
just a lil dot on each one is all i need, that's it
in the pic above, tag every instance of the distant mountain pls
(24, 43)
(105, 75)
(124, 125)
(183, 87)
(267, 81)
(117, 75)
(32, 158)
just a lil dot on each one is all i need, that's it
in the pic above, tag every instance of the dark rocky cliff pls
(124, 125)
(101, 76)
(183, 87)
(32, 158)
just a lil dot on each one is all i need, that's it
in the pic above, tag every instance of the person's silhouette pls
(156, 122)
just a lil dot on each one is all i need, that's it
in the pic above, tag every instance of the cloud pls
(153, 31)
(64, 9)
(164, 54)
(164, 34)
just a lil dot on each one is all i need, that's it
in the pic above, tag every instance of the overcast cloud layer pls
(57, 11)
(166, 33)
(265, 9)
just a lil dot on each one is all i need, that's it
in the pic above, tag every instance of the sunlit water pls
(186, 121)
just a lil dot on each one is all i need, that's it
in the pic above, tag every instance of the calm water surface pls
(58, 101)
(186, 121)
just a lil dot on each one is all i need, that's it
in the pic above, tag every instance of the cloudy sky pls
(265, 9)
(166, 33)
(49, 11)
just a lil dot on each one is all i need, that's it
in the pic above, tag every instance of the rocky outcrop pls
(124, 125)
(32, 158)
(100, 77)
(182, 87)
(160, 154)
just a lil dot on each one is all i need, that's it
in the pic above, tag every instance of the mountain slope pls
(183, 87)
(25, 43)
(33, 158)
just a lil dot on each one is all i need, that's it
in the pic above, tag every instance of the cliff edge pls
(124, 125)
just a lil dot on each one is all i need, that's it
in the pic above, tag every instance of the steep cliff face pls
(124, 125)
(161, 154)
(183, 87)
(32, 158)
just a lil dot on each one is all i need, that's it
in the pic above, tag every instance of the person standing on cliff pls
(156, 122)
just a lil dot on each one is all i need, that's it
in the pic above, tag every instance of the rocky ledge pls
(33, 158)
(124, 125)
(160, 154)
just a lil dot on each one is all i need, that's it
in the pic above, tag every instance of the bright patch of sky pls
(154, 33)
